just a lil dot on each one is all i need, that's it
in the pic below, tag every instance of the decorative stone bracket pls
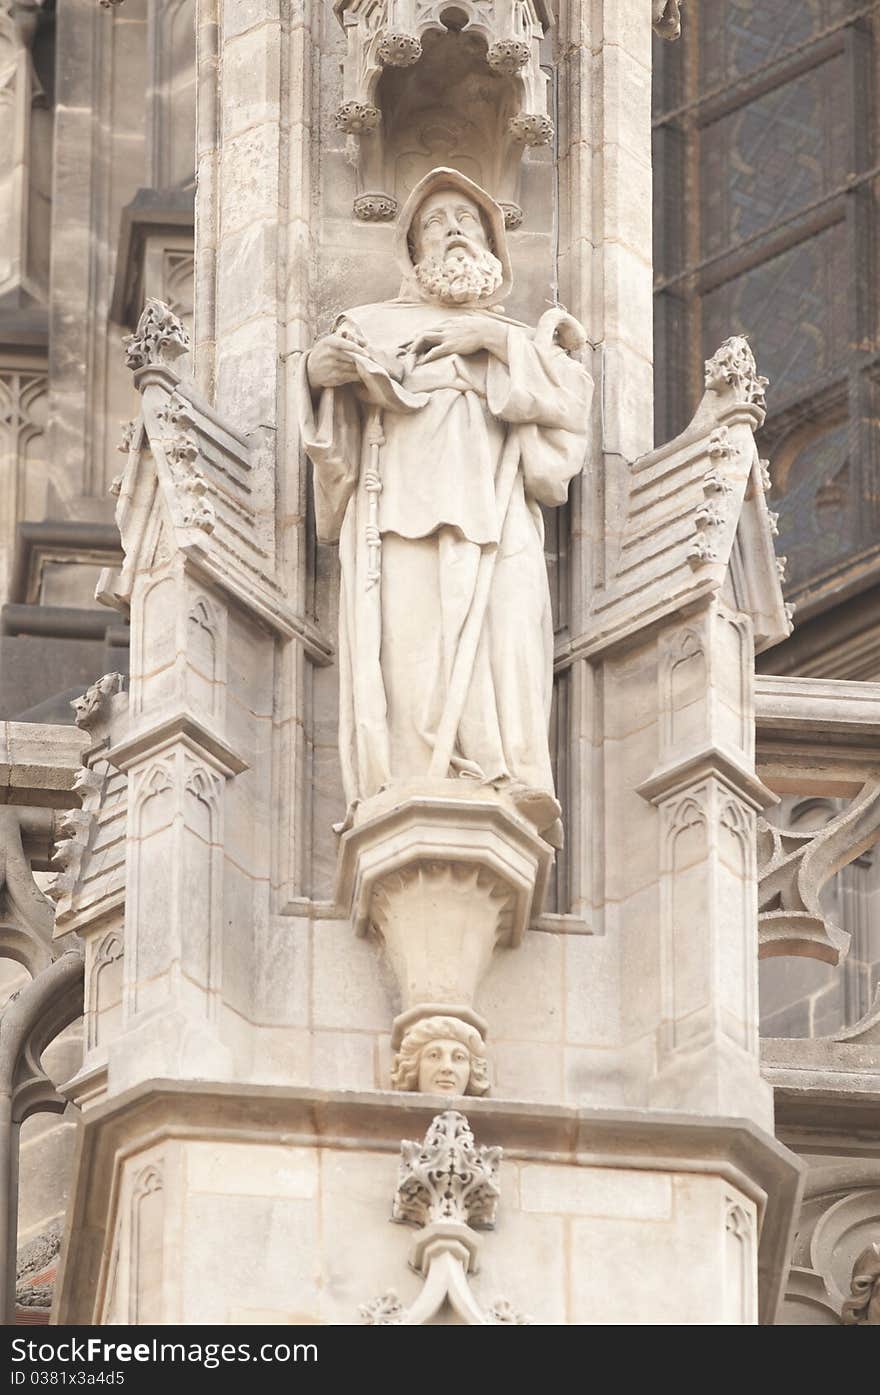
(441, 882)
(388, 35)
(447, 1187)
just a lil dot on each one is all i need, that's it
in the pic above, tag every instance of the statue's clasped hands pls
(465, 335)
(333, 360)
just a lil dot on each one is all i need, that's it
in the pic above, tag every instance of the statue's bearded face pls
(451, 253)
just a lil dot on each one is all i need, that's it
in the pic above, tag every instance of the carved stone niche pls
(428, 83)
(441, 881)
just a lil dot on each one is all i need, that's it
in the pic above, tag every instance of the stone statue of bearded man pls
(437, 426)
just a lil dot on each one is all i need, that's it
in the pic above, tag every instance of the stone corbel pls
(441, 882)
(448, 1188)
(389, 34)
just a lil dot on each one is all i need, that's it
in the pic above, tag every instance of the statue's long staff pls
(554, 324)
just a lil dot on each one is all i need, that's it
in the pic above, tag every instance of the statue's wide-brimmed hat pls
(432, 183)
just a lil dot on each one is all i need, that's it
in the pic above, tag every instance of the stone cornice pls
(702, 765)
(376, 1121)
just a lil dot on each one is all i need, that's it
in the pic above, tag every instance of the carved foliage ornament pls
(160, 337)
(447, 1178)
(447, 1187)
(733, 367)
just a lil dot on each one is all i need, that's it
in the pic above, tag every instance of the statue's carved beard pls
(461, 275)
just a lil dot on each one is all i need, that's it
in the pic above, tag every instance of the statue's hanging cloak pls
(446, 429)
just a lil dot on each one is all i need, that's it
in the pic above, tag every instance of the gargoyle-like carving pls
(74, 826)
(667, 18)
(863, 1308)
(94, 705)
(160, 337)
(447, 1178)
(733, 366)
(442, 1055)
(794, 867)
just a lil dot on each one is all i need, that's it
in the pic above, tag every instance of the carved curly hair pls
(405, 1071)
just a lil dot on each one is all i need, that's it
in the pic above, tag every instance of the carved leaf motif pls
(159, 339)
(793, 868)
(447, 1177)
(733, 367)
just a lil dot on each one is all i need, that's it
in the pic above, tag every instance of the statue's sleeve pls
(331, 435)
(546, 395)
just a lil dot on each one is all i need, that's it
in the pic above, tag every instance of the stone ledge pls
(377, 1120)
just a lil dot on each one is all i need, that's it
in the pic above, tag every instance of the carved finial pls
(863, 1309)
(447, 1178)
(667, 18)
(93, 705)
(160, 338)
(733, 366)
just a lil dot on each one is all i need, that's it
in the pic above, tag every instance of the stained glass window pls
(765, 224)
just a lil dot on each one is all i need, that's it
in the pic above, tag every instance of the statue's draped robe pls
(443, 444)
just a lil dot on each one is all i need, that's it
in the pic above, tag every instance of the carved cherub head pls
(451, 242)
(442, 1056)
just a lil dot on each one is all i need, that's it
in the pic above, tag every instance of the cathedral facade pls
(437, 849)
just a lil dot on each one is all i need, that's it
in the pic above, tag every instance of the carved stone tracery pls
(794, 867)
(382, 105)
